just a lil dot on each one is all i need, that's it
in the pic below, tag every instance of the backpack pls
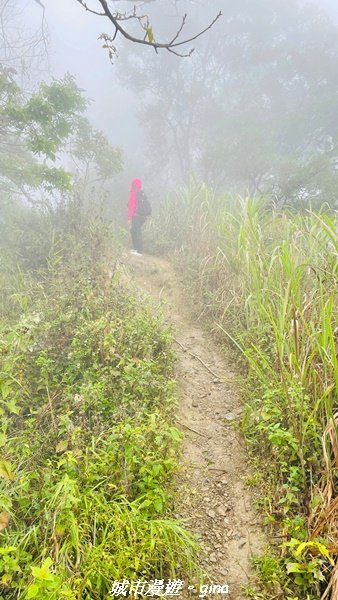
(143, 205)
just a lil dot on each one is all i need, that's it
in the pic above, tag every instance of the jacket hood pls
(136, 184)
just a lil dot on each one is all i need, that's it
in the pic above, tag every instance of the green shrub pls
(266, 280)
(87, 443)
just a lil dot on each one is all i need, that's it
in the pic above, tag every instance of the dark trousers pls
(136, 232)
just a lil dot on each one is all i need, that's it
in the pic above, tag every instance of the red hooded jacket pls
(136, 186)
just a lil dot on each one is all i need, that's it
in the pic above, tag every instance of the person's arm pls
(132, 205)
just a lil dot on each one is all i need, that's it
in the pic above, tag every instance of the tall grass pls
(267, 282)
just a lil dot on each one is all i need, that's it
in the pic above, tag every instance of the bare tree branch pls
(116, 18)
(180, 30)
(86, 7)
(21, 48)
(40, 3)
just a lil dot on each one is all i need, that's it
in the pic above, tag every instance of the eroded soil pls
(214, 498)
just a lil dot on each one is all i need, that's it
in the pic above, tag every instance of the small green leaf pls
(150, 34)
(32, 590)
(293, 568)
(61, 446)
(6, 470)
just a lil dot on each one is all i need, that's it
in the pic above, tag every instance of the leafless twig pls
(51, 409)
(191, 429)
(116, 18)
(198, 358)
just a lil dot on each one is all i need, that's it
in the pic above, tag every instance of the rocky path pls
(214, 498)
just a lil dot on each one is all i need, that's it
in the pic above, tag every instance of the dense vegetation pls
(86, 389)
(36, 130)
(86, 370)
(267, 283)
(87, 444)
(86, 438)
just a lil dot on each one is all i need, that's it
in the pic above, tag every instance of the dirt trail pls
(215, 499)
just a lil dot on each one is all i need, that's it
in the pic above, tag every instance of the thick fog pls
(263, 67)
(168, 299)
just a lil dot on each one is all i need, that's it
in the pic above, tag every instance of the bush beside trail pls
(87, 442)
(267, 280)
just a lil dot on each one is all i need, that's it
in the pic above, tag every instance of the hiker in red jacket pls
(138, 210)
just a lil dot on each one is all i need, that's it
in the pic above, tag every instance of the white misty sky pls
(74, 48)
